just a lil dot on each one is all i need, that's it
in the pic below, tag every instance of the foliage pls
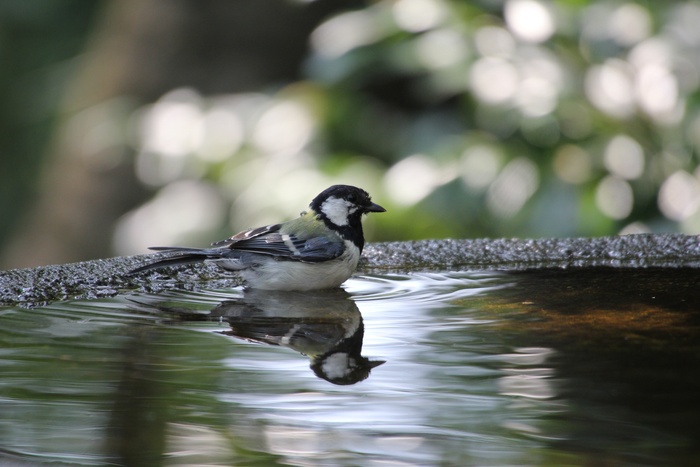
(38, 43)
(525, 118)
(517, 118)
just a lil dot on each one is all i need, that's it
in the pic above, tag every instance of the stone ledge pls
(107, 277)
(636, 251)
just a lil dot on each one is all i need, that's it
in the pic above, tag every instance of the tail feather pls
(186, 256)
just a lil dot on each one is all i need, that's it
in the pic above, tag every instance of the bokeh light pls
(345, 32)
(530, 20)
(182, 211)
(573, 164)
(614, 197)
(479, 166)
(629, 23)
(513, 187)
(414, 178)
(404, 97)
(441, 48)
(283, 129)
(418, 15)
(624, 157)
(679, 196)
(494, 80)
(609, 86)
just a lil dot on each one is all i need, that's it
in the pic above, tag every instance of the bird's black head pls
(342, 368)
(340, 204)
(341, 207)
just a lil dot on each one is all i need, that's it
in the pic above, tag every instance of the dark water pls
(597, 367)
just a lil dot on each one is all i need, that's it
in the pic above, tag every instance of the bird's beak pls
(374, 208)
(376, 363)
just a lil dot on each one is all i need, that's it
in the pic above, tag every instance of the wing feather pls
(248, 234)
(290, 247)
(271, 240)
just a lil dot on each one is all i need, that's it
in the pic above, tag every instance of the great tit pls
(319, 249)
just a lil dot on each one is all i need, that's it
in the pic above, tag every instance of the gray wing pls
(290, 247)
(321, 249)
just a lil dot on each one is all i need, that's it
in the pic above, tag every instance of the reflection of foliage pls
(537, 119)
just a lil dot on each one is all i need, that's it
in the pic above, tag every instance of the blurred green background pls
(157, 122)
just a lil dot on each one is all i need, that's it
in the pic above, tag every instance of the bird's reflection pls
(324, 325)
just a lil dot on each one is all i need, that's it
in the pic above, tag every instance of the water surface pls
(580, 367)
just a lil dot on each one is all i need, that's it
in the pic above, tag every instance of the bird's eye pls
(352, 198)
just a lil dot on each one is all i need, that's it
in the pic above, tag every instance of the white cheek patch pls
(336, 210)
(338, 365)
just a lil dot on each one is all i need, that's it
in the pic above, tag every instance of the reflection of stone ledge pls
(103, 278)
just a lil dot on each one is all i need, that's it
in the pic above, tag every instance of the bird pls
(319, 249)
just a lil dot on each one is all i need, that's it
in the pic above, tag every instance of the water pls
(593, 367)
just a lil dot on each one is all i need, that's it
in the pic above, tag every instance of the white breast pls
(271, 274)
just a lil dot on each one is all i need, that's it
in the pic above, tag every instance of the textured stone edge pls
(636, 251)
(108, 277)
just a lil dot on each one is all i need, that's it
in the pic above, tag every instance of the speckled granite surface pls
(107, 277)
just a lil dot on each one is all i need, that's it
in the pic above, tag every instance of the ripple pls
(465, 382)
